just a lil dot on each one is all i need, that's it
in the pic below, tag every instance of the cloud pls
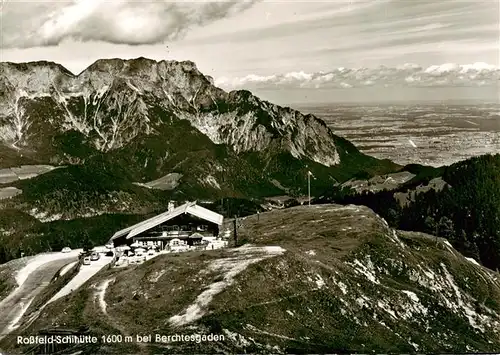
(407, 75)
(36, 24)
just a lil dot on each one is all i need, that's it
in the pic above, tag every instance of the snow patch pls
(238, 339)
(409, 309)
(256, 330)
(319, 281)
(249, 248)
(342, 287)
(210, 180)
(156, 275)
(471, 315)
(448, 244)
(101, 293)
(393, 235)
(411, 295)
(368, 271)
(317, 220)
(130, 85)
(362, 301)
(231, 267)
(415, 346)
(386, 307)
(473, 261)
(44, 216)
(66, 268)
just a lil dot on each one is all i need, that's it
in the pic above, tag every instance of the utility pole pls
(235, 221)
(309, 174)
(309, 186)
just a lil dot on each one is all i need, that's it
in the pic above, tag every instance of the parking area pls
(85, 273)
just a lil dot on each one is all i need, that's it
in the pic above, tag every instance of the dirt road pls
(13, 307)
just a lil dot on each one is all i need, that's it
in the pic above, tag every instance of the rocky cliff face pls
(114, 101)
(120, 126)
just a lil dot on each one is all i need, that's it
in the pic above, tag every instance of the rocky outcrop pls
(115, 101)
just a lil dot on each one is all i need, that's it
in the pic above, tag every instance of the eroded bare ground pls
(325, 278)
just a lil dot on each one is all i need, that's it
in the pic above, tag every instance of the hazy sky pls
(276, 47)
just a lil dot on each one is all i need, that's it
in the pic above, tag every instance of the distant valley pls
(430, 134)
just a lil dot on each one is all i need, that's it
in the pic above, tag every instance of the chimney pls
(171, 206)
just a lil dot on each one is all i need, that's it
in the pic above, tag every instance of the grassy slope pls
(281, 301)
(469, 204)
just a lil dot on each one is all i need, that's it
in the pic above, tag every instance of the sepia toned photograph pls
(249, 177)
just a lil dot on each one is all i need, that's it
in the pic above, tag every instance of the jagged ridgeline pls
(141, 120)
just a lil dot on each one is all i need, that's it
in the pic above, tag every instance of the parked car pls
(86, 260)
(95, 256)
(66, 250)
(109, 253)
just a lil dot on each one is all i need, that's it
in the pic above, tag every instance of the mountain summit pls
(114, 101)
(144, 121)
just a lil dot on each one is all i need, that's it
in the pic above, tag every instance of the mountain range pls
(123, 127)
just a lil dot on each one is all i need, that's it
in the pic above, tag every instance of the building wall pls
(182, 225)
(179, 227)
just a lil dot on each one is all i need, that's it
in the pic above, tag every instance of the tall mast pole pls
(309, 186)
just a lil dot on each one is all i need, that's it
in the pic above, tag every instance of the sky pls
(284, 50)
